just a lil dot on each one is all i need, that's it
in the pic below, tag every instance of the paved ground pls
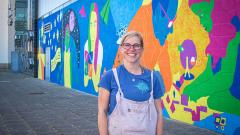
(29, 106)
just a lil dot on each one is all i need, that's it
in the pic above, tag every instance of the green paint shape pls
(203, 11)
(67, 40)
(217, 87)
(105, 12)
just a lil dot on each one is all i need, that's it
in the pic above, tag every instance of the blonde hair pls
(132, 34)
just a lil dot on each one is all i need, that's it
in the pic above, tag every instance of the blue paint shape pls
(189, 76)
(159, 76)
(178, 84)
(164, 11)
(235, 88)
(218, 66)
(231, 126)
(236, 22)
(78, 38)
(165, 113)
(237, 131)
(123, 12)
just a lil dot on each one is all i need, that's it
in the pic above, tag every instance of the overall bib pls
(131, 117)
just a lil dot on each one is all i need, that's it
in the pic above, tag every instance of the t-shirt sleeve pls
(158, 85)
(105, 81)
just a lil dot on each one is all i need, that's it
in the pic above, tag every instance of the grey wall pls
(4, 32)
(45, 6)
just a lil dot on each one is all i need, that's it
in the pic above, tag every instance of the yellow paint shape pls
(179, 113)
(67, 69)
(56, 59)
(95, 76)
(93, 29)
(187, 27)
(156, 67)
(146, 2)
(41, 65)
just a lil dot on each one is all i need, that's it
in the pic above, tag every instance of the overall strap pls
(151, 96)
(117, 80)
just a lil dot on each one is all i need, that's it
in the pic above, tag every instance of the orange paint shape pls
(154, 53)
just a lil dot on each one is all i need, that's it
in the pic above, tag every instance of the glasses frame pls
(136, 46)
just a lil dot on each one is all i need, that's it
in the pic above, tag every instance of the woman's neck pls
(135, 68)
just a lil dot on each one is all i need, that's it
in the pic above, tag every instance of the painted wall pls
(195, 44)
(4, 32)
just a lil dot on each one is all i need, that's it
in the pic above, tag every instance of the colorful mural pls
(194, 44)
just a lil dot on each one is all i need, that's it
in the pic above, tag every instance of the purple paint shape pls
(175, 102)
(184, 100)
(172, 107)
(187, 109)
(216, 115)
(71, 21)
(202, 108)
(82, 12)
(189, 50)
(168, 99)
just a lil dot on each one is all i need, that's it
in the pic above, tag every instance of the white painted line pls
(4, 81)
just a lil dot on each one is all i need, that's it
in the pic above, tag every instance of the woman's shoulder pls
(106, 76)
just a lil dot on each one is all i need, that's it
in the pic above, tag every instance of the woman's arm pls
(159, 116)
(103, 103)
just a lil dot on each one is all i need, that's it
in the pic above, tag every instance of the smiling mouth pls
(131, 54)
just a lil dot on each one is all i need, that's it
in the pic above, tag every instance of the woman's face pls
(71, 21)
(131, 49)
(93, 27)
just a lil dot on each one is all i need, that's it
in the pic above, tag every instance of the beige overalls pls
(131, 117)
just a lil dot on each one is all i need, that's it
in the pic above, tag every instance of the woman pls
(129, 95)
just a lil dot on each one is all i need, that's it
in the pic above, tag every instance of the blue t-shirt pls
(134, 87)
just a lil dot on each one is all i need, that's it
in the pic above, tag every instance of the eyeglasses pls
(135, 46)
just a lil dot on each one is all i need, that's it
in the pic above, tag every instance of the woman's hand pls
(159, 117)
(103, 103)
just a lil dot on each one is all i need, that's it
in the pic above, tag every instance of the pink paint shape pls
(184, 100)
(82, 12)
(162, 104)
(168, 99)
(222, 31)
(172, 107)
(196, 114)
(95, 57)
(175, 86)
(86, 56)
(181, 79)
